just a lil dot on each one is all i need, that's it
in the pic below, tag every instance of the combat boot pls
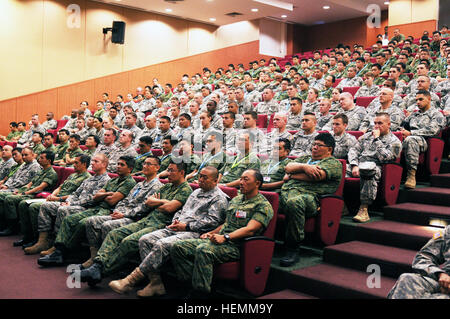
(154, 288)
(363, 214)
(411, 179)
(48, 251)
(126, 284)
(88, 263)
(41, 245)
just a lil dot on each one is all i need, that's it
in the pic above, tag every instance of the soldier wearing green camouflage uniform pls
(307, 177)
(72, 228)
(63, 144)
(193, 259)
(204, 211)
(122, 243)
(430, 281)
(235, 166)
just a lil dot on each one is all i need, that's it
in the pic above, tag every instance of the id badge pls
(266, 179)
(241, 214)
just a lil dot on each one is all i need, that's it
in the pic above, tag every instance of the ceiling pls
(305, 12)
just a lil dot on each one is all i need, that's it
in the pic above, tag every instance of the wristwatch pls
(227, 237)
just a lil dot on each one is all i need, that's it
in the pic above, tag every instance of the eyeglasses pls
(318, 145)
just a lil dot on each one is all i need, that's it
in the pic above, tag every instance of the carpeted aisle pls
(21, 277)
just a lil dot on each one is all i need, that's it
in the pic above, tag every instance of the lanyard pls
(208, 160)
(270, 169)
(164, 157)
(237, 163)
(142, 155)
(312, 162)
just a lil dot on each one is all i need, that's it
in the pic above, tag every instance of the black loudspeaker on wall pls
(118, 32)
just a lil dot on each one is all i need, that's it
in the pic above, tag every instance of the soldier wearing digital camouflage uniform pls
(430, 280)
(204, 211)
(29, 216)
(306, 178)
(272, 169)
(426, 122)
(248, 214)
(302, 141)
(73, 229)
(374, 149)
(344, 140)
(52, 213)
(123, 243)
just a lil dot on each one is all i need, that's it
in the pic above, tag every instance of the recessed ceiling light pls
(212, 19)
(168, 10)
(254, 10)
(326, 7)
(386, 3)
(284, 16)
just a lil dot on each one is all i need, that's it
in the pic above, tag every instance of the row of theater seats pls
(252, 269)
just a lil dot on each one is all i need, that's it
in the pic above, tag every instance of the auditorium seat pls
(157, 151)
(336, 83)
(252, 269)
(364, 101)
(262, 121)
(351, 89)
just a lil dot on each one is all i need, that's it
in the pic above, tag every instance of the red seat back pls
(351, 89)
(157, 151)
(356, 134)
(340, 190)
(364, 101)
(262, 121)
(273, 199)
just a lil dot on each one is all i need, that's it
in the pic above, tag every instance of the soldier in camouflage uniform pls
(204, 211)
(306, 178)
(427, 122)
(193, 259)
(278, 131)
(124, 148)
(260, 141)
(36, 140)
(430, 280)
(268, 105)
(23, 175)
(246, 158)
(272, 169)
(29, 216)
(294, 119)
(73, 229)
(342, 139)
(44, 180)
(60, 151)
(78, 201)
(7, 163)
(126, 211)
(145, 145)
(355, 114)
(386, 106)
(167, 146)
(351, 80)
(303, 139)
(72, 151)
(214, 156)
(409, 101)
(123, 243)
(369, 88)
(107, 147)
(378, 147)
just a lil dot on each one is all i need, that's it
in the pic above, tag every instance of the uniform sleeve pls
(126, 186)
(213, 218)
(354, 152)
(183, 194)
(263, 214)
(333, 169)
(434, 126)
(429, 258)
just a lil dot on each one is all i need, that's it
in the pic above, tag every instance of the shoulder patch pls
(437, 235)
